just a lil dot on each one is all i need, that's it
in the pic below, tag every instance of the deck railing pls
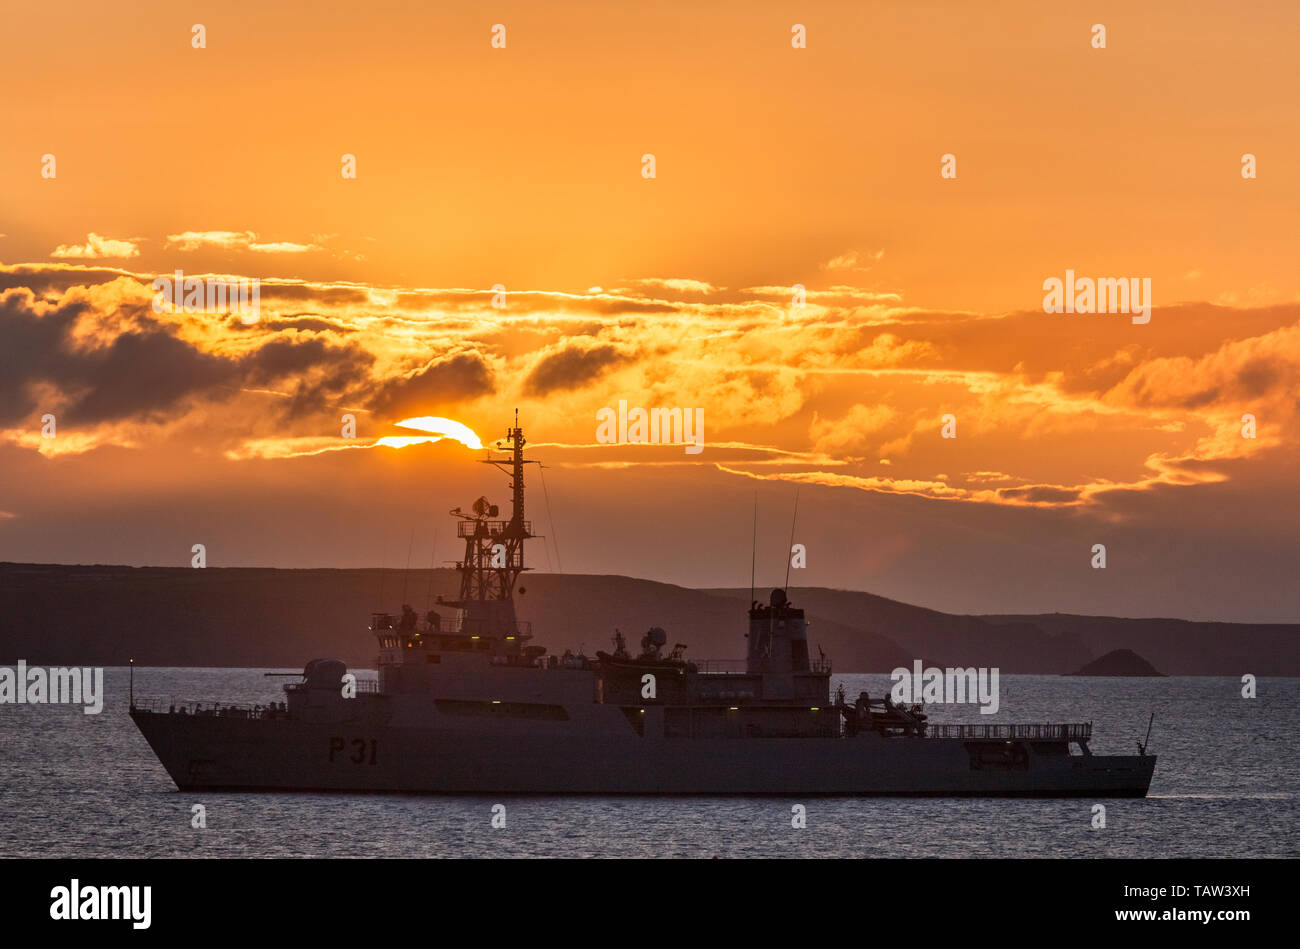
(208, 709)
(1075, 732)
(388, 622)
(740, 666)
(363, 685)
(720, 666)
(494, 528)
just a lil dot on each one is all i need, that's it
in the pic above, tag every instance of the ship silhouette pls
(465, 702)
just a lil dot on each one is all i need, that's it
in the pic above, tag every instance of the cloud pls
(828, 296)
(293, 447)
(103, 356)
(852, 432)
(139, 371)
(1041, 494)
(302, 322)
(572, 367)
(458, 378)
(1240, 372)
(833, 390)
(936, 488)
(97, 247)
(235, 240)
(853, 260)
(679, 284)
(318, 373)
(59, 277)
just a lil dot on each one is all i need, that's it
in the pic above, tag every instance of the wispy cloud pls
(853, 260)
(678, 284)
(236, 240)
(97, 247)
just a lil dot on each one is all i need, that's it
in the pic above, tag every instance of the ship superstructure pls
(466, 703)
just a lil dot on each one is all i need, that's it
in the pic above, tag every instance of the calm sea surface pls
(75, 785)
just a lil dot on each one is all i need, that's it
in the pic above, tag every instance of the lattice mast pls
(494, 549)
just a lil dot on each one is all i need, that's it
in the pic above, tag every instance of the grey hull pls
(214, 753)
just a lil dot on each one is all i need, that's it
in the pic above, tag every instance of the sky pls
(842, 252)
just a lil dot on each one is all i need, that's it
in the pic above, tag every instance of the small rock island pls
(1118, 662)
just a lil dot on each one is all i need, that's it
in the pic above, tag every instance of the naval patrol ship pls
(465, 702)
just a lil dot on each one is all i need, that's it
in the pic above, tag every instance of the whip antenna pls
(406, 575)
(792, 523)
(433, 568)
(1143, 747)
(550, 520)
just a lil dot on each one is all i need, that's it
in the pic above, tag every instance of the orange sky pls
(775, 166)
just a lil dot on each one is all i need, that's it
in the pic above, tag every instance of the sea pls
(1226, 780)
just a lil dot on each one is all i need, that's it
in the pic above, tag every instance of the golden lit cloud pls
(678, 284)
(235, 240)
(835, 389)
(98, 247)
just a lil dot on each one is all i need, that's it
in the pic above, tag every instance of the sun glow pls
(439, 428)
